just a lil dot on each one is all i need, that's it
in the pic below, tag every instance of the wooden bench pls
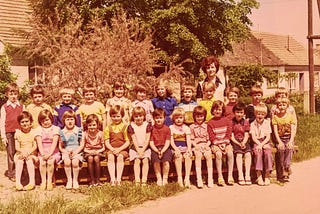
(128, 174)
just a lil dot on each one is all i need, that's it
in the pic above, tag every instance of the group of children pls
(158, 130)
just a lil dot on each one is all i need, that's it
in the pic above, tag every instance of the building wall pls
(22, 73)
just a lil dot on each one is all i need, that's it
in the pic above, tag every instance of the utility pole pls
(310, 38)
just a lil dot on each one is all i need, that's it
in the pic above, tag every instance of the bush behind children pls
(158, 131)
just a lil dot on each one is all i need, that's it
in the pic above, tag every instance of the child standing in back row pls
(117, 143)
(208, 98)
(8, 125)
(187, 103)
(233, 96)
(91, 106)
(71, 146)
(66, 95)
(37, 94)
(165, 101)
(141, 100)
(260, 130)
(48, 148)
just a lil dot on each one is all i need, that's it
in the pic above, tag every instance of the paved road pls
(300, 196)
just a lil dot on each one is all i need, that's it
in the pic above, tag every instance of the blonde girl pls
(119, 98)
(139, 131)
(48, 148)
(93, 148)
(117, 143)
(201, 143)
(71, 145)
(26, 150)
(181, 144)
(164, 100)
(208, 98)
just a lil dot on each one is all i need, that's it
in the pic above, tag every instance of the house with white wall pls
(281, 54)
(14, 16)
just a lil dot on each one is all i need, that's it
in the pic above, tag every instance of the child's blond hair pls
(281, 90)
(282, 100)
(66, 91)
(234, 90)
(261, 108)
(138, 110)
(177, 112)
(208, 85)
(162, 83)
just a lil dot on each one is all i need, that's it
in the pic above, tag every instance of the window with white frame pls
(273, 84)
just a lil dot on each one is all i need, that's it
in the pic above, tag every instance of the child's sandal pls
(242, 182)
(221, 182)
(19, 187)
(30, 187)
(42, 186)
(231, 182)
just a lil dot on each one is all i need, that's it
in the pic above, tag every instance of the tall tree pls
(182, 29)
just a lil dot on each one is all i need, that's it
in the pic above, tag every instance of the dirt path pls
(300, 196)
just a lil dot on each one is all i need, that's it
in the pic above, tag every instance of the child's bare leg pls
(136, 169)
(120, 166)
(178, 165)
(157, 171)
(165, 171)
(112, 168)
(43, 173)
(19, 168)
(188, 164)
(97, 168)
(145, 170)
(230, 167)
(91, 169)
(198, 156)
(67, 169)
(50, 168)
(75, 170)
(239, 163)
(208, 156)
(219, 164)
(30, 167)
(247, 164)
(259, 178)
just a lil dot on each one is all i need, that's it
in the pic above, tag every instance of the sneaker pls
(221, 182)
(29, 187)
(49, 187)
(260, 181)
(230, 182)
(42, 186)
(187, 183)
(267, 182)
(200, 184)
(241, 182)
(210, 183)
(19, 187)
(248, 182)
(75, 185)
(69, 185)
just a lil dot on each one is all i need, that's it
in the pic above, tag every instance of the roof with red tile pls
(268, 49)
(14, 16)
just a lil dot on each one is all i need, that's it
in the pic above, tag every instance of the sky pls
(286, 17)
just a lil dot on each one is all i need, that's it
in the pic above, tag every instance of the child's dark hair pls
(89, 88)
(158, 112)
(216, 104)
(138, 110)
(256, 89)
(116, 109)
(12, 87)
(91, 118)
(199, 110)
(43, 115)
(37, 89)
(239, 107)
(234, 90)
(24, 115)
(69, 114)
